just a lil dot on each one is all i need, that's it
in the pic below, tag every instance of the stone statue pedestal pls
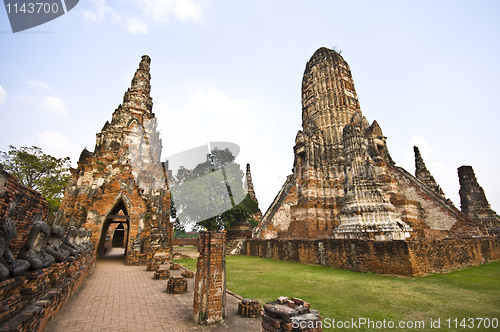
(58, 273)
(38, 283)
(74, 267)
(11, 298)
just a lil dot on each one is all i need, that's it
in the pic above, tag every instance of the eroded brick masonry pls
(209, 304)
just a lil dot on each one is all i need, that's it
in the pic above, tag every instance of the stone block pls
(177, 285)
(162, 274)
(175, 266)
(152, 266)
(280, 315)
(249, 308)
(187, 274)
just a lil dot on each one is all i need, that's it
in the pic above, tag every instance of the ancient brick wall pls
(33, 313)
(385, 257)
(209, 304)
(22, 205)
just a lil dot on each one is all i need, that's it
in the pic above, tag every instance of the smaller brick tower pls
(123, 180)
(249, 188)
(423, 174)
(473, 201)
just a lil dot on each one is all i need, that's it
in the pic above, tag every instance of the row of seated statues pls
(45, 245)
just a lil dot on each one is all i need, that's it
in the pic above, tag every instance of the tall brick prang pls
(209, 304)
(344, 183)
(473, 201)
(123, 180)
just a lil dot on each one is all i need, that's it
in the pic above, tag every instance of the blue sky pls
(427, 71)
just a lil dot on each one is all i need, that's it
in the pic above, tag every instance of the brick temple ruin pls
(347, 195)
(123, 181)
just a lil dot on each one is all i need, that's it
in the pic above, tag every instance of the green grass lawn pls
(343, 295)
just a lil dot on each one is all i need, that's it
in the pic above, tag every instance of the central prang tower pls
(329, 102)
(344, 183)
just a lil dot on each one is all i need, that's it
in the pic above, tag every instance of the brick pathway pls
(116, 297)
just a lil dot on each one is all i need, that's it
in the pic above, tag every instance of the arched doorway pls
(118, 215)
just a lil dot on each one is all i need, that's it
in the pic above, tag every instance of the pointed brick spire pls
(137, 98)
(249, 184)
(423, 174)
(473, 201)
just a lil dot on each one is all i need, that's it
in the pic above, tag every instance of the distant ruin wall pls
(406, 258)
(185, 242)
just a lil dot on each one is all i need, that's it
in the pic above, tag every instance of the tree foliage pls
(211, 195)
(39, 171)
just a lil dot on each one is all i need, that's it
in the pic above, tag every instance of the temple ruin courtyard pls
(107, 303)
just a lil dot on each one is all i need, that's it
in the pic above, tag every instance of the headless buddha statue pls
(69, 242)
(34, 249)
(53, 247)
(8, 264)
(80, 238)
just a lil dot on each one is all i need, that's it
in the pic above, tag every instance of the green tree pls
(211, 195)
(39, 171)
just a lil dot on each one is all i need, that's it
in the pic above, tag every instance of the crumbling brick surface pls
(152, 266)
(249, 308)
(209, 305)
(187, 274)
(34, 298)
(473, 201)
(177, 285)
(162, 274)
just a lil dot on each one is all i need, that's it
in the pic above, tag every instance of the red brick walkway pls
(116, 297)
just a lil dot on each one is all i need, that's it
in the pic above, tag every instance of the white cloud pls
(53, 105)
(58, 145)
(100, 10)
(25, 98)
(3, 95)
(136, 25)
(161, 11)
(146, 12)
(39, 84)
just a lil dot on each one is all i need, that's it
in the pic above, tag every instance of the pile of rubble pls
(290, 315)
